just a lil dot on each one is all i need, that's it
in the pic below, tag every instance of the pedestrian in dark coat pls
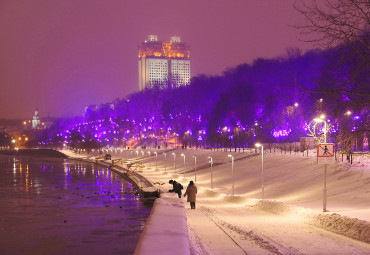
(177, 187)
(191, 192)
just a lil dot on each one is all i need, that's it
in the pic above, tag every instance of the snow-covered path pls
(206, 237)
(259, 232)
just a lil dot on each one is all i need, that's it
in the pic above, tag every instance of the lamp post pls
(165, 157)
(174, 160)
(156, 158)
(195, 168)
(149, 153)
(182, 154)
(322, 120)
(263, 185)
(232, 173)
(211, 162)
(137, 154)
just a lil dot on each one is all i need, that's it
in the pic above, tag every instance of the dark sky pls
(62, 55)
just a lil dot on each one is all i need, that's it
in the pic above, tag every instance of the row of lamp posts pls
(232, 164)
(211, 163)
(232, 173)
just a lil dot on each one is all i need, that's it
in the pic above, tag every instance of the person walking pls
(191, 192)
(176, 187)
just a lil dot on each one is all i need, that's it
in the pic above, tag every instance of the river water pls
(58, 206)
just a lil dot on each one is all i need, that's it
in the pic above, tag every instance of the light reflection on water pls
(53, 206)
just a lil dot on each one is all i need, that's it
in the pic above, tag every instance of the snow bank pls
(353, 228)
(343, 225)
(166, 230)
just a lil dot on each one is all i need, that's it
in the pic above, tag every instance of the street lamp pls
(182, 154)
(137, 154)
(156, 158)
(325, 169)
(263, 185)
(195, 168)
(232, 172)
(322, 120)
(165, 157)
(174, 160)
(211, 162)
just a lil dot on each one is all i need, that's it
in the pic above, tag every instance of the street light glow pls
(325, 128)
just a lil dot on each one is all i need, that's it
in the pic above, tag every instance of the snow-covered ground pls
(289, 220)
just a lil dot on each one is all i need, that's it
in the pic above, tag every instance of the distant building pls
(163, 64)
(36, 121)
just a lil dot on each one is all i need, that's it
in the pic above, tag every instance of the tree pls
(336, 22)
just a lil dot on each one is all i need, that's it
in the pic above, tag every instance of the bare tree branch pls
(337, 21)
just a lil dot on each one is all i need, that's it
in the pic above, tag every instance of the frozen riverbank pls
(45, 153)
(57, 206)
(167, 218)
(293, 193)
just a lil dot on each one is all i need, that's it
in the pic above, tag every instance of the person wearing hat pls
(191, 192)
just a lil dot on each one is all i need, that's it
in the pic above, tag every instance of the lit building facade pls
(163, 64)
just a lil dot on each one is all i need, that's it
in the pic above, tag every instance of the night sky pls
(60, 56)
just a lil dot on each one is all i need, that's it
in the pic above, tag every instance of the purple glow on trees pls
(281, 133)
(247, 103)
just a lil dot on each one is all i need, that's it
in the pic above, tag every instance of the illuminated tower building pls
(163, 64)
